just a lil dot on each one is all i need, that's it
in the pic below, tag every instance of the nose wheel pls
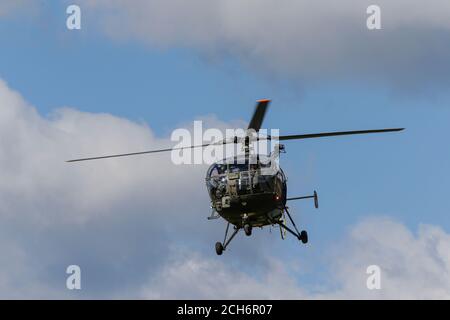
(248, 229)
(219, 248)
(303, 237)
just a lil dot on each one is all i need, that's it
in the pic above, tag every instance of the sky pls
(136, 71)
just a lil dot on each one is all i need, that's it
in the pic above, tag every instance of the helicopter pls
(250, 190)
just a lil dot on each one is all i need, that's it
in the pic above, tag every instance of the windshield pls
(220, 169)
(238, 167)
(217, 170)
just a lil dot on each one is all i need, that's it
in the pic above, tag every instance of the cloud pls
(195, 276)
(34, 150)
(302, 40)
(100, 214)
(412, 267)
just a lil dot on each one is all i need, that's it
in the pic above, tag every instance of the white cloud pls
(302, 39)
(412, 267)
(34, 150)
(193, 276)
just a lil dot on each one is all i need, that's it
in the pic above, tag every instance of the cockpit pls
(234, 177)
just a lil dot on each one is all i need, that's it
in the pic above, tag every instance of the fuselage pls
(250, 190)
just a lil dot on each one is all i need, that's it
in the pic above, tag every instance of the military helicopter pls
(250, 190)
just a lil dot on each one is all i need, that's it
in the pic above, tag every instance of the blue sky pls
(401, 176)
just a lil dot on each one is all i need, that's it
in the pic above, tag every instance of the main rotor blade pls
(258, 115)
(142, 152)
(331, 134)
(235, 140)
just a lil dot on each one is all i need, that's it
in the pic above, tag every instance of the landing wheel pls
(303, 236)
(219, 248)
(248, 229)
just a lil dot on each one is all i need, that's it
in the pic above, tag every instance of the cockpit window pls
(214, 172)
(238, 167)
(265, 164)
(218, 170)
